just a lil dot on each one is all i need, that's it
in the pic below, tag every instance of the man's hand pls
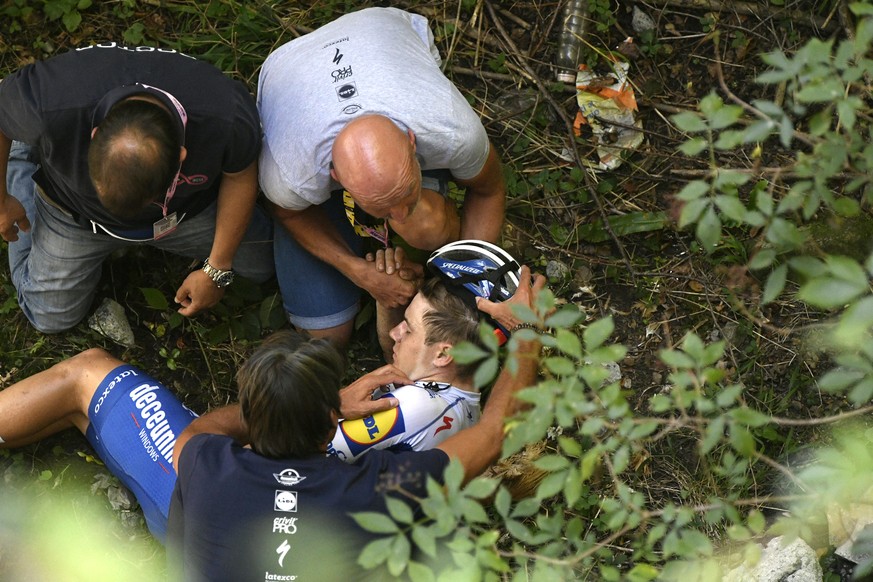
(525, 295)
(356, 399)
(12, 218)
(197, 292)
(390, 290)
(393, 260)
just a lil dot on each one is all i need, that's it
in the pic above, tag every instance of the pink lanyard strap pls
(183, 115)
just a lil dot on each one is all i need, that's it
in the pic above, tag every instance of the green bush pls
(587, 518)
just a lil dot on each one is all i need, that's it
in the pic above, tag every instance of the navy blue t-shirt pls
(236, 515)
(50, 104)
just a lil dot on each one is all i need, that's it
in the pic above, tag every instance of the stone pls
(110, 321)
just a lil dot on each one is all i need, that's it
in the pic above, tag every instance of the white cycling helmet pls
(482, 268)
(475, 268)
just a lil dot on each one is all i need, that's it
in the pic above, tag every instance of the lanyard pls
(183, 115)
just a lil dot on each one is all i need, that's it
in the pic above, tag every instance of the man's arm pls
(12, 214)
(479, 446)
(223, 421)
(485, 201)
(236, 202)
(356, 399)
(433, 223)
(312, 229)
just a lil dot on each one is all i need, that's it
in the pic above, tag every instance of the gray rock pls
(110, 320)
(641, 22)
(795, 562)
(557, 271)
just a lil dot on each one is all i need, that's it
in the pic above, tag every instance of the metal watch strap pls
(219, 277)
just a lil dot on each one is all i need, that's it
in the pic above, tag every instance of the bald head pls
(133, 156)
(375, 161)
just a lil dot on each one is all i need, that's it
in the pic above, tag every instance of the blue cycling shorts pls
(134, 424)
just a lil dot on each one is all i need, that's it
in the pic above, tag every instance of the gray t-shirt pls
(376, 61)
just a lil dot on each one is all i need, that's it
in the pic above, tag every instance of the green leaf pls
(486, 372)
(861, 392)
(763, 258)
(155, 298)
(775, 284)
(676, 359)
(839, 379)
(598, 332)
(376, 552)
(642, 573)
(749, 416)
(689, 122)
(419, 572)
(72, 20)
(709, 230)
(425, 539)
(566, 317)
(481, 487)
(713, 435)
(693, 190)
(568, 343)
(742, 440)
(643, 430)
(693, 146)
(861, 8)
(847, 207)
(692, 210)
(401, 550)
(560, 366)
(725, 116)
(729, 139)
(828, 293)
(825, 90)
(375, 522)
(732, 207)
(467, 353)
(630, 223)
(552, 463)
(758, 131)
(502, 501)
(847, 269)
(398, 510)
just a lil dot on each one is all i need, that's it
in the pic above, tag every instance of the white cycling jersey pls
(427, 414)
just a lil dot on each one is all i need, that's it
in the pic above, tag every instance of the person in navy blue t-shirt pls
(111, 146)
(278, 508)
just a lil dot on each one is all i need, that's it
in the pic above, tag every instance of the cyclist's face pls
(411, 354)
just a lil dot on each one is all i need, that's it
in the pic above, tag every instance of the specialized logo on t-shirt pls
(365, 432)
(288, 477)
(285, 501)
(282, 550)
(446, 425)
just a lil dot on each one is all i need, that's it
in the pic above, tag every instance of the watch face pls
(224, 279)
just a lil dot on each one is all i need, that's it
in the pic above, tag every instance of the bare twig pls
(758, 9)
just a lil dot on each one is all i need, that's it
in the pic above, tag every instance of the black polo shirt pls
(50, 105)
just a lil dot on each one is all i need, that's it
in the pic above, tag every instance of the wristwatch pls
(220, 278)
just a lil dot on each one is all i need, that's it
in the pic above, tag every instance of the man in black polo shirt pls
(110, 146)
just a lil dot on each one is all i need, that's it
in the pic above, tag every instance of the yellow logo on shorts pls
(372, 429)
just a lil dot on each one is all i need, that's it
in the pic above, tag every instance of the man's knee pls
(47, 322)
(339, 335)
